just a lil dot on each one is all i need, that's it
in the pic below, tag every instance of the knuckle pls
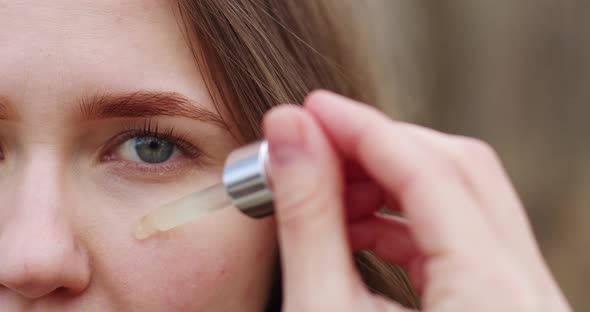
(517, 295)
(508, 283)
(478, 150)
(297, 208)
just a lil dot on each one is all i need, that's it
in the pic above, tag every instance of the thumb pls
(307, 184)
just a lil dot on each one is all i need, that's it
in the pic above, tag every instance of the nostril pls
(38, 278)
(38, 259)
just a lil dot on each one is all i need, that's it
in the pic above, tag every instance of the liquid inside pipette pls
(182, 211)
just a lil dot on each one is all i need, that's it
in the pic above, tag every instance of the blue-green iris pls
(153, 150)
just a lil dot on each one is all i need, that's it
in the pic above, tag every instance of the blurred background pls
(515, 73)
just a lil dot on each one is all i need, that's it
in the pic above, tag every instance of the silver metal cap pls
(246, 178)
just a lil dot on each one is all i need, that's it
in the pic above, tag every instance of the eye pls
(148, 149)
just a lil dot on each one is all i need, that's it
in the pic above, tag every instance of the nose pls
(39, 252)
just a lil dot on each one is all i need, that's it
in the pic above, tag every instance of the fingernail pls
(284, 132)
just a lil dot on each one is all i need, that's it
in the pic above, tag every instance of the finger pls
(307, 183)
(354, 172)
(362, 198)
(442, 214)
(388, 237)
(364, 195)
(382, 304)
(484, 174)
(482, 171)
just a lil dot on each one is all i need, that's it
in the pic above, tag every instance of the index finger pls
(442, 214)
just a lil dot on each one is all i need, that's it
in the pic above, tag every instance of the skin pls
(465, 240)
(68, 204)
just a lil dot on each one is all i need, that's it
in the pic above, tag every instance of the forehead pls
(93, 26)
(51, 48)
(77, 17)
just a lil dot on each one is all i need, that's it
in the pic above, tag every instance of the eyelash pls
(152, 129)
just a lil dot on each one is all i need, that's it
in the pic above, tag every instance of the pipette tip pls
(143, 229)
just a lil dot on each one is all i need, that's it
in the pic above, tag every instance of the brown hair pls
(259, 53)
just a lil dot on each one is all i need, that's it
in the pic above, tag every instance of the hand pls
(466, 241)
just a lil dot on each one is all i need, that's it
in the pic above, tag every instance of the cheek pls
(218, 262)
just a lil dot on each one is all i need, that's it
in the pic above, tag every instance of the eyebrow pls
(145, 104)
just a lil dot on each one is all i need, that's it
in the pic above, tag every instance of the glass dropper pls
(246, 185)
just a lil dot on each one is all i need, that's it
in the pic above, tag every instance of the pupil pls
(153, 150)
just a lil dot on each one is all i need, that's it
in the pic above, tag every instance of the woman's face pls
(103, 117)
